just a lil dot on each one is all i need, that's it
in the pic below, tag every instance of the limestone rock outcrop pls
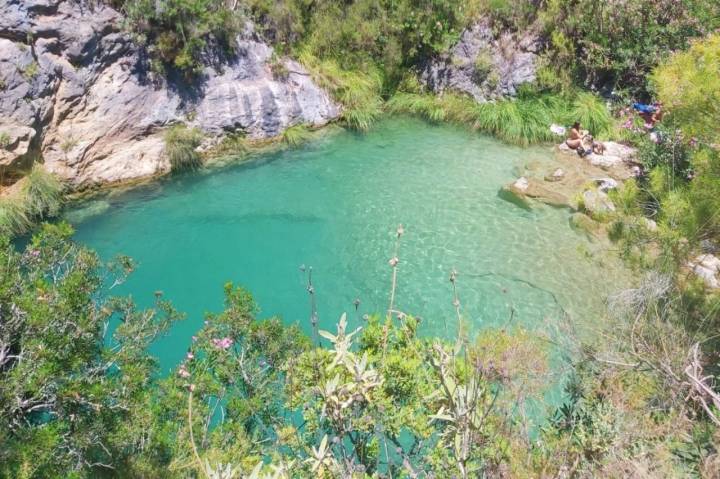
(707, 267)
(484, 65)
(76, 90)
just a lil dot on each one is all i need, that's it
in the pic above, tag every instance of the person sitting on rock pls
(575, 138)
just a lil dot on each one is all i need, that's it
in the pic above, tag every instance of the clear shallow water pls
(334, 204)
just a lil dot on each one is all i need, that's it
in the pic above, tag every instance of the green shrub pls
(178, 31)
(483, 66)
(689, 86)
(619, 43)
(180, 147)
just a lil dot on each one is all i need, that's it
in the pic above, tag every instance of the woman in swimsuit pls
(574, 140)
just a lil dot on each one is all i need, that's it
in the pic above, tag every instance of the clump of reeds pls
(358, 92)
(523, 121)
(39, 196)
(295, 135)
(181, 145)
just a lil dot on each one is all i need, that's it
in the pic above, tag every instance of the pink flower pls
(190, 355)
(183, 373)
(194, 338)
(191, 387)
(223, 343)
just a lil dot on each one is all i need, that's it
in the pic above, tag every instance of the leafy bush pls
(688, 84)
(358, 35)
(178, 31)
(180, 147)
(619, 42)
(65, 397)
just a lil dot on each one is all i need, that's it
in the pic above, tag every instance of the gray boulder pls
(75, 89)
(484, 65)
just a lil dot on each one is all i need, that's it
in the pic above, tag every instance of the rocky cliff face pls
(76, 90)
(484, 65)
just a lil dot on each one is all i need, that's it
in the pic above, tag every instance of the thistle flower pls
(223, 343)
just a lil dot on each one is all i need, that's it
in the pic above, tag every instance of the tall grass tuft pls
(295, 135)
(522, 121)
(358, 92)
(40, 195)
(43, 193)
(14, 217)
(180, 147)
(592, 113)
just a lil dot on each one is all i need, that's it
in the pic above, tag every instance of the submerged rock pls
(597, 202)
(78, 90)
(524, 188)
(484, 65)
(86, 211)
(557, 175)
(582, 222)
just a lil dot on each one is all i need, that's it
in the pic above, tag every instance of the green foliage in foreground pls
(689, 86)
(521, 121)
(181, 143)
(80, 396)
(38, 196)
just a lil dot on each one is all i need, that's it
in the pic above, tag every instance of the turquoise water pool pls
(334, 204)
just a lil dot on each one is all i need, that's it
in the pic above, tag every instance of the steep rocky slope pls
(76, 90)
(484, 64)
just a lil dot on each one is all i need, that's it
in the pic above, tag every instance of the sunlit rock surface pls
(74, 88)
(484, 65)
